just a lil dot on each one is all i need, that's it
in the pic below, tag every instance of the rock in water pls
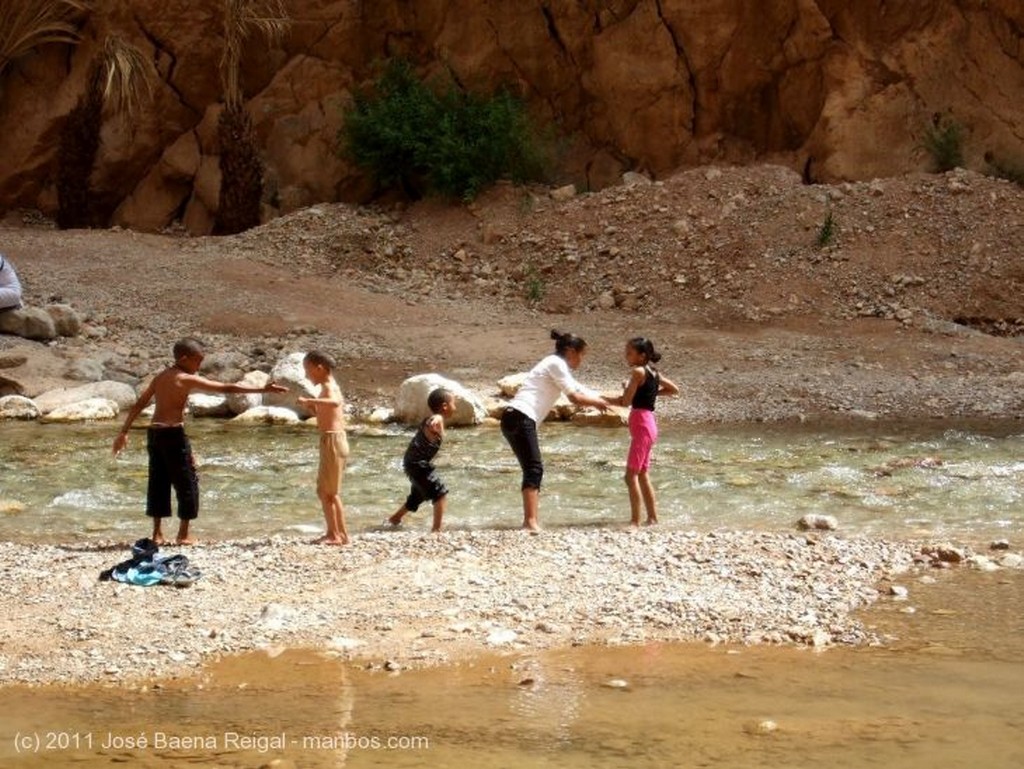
(411, 403)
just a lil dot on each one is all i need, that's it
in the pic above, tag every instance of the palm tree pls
(241, 188)
(27, 24)
(122, 78)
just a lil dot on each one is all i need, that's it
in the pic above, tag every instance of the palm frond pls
(243, 19)
(129, 77)
(27, 24)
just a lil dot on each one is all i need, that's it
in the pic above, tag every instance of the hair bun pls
(556, 334)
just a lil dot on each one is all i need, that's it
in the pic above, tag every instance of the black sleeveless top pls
(421, 449)
(647, 392)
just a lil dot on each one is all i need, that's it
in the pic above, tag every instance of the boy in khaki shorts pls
(330, 420)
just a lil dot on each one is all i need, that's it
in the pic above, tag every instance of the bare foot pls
(336, 541)
(652, 521)
(159, 540)
(395, 520)
(184, 541)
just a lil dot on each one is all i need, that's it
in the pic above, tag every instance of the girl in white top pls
(545, 382)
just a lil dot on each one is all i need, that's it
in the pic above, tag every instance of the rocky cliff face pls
(834, 89)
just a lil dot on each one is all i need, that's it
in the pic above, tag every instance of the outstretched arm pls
(213, 386)
(122, 437)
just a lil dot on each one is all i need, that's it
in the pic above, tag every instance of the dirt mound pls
(771, 299)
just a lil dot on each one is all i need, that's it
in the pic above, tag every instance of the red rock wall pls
(836, 89)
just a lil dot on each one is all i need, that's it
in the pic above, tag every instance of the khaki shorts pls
(333, 451)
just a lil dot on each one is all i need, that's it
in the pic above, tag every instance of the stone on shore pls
(267, 415)
(121, 394)
(29, 323)
(819, 522)
(83, 411)
(411, 402)
(208, 405)
(18, 407)
(591, 417)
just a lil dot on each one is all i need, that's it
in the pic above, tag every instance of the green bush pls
(828, 231)
(944, 142)
(446, 140)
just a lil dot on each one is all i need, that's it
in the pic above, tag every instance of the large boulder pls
(225, 366)
(18, 407)
(83, 411)
(289, 372)
(208, 405)
(122, 395)
(591, 417)
(411, 403)
(239, 403)
(28, 323)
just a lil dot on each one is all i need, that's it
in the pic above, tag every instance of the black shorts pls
(426, 485)
(521, 433)
(171, 466)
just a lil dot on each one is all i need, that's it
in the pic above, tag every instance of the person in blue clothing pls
(418, 461)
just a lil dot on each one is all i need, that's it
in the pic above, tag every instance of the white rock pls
(239, 403)
(501, 637)
(632, 178)
(1012, 561)
(121, 394)
(267, 415)
(591, 417)
(29, 323)
(411, 402)
(18, 407)
(341, 643)
(509, 385)
(564, 193)
(982, 563)
(83, 411)
(616, 683)
(289, 372)
(380, 415)
(208, 405)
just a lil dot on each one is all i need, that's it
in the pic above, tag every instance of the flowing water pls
(60, 483)
(944, 691)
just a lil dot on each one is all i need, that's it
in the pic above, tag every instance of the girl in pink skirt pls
(642, 390)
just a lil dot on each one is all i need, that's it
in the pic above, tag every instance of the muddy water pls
(944, 692)
(950, 480)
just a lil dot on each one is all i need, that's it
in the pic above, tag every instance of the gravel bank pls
(403, 599)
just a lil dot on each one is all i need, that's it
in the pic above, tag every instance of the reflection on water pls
(885, 480)
(946, 693)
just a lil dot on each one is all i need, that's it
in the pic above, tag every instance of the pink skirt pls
(643, 430)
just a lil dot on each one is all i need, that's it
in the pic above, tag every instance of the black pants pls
(426, 485)
(521, 433)
(171, 465)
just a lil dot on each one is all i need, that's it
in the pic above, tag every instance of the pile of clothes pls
(146, 568)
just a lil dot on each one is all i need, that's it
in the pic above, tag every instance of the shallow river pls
(60, 483)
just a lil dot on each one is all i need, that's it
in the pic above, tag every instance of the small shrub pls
(447, 141)
(944, 141)
(828, 231)
(1012, 172)
(534, 287)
